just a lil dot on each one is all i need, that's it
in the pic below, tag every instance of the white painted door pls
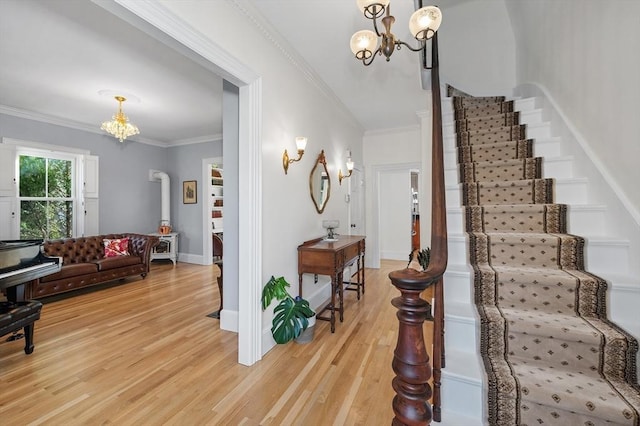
(395, 215)
(356, 203)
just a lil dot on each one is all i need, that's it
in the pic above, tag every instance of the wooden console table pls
(330, 258)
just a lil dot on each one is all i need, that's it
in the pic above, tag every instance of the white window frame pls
(79, 170)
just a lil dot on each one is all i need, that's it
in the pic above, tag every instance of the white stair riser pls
(461, 334)
(604, 257)
(526, 104)
(624, 300)
(463, 395)
(538, 131)
(586, 221)
(531, 117)
(572, 191)
(452, 196)
(458, 287)
(451, 175)
(561, 167)
(458, 250)
(450, 160)
(449, 141)
(547, 148)
(455, 221)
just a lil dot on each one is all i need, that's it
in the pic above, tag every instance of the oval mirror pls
(320, 183)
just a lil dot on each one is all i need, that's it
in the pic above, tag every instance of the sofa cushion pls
(116, 262)
(116, 247)
(71, 270)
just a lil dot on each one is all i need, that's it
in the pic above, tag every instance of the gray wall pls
(129, 202)
(185, 163)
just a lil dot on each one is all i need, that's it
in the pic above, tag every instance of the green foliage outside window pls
(46, 204)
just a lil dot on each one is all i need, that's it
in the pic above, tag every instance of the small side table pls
(167, 248)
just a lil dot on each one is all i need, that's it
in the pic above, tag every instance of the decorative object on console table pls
(167, 247)
(291, 315)
(330, 225)
(189, 192)
(330, 258)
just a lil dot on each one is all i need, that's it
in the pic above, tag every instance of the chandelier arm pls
(400, 43)
(375, 26)
(376, 53)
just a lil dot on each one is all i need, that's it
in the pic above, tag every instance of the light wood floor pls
(145, 353)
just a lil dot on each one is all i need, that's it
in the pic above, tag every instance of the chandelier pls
(423, 24)
(119, 125)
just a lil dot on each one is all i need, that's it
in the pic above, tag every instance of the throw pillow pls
(116, 247)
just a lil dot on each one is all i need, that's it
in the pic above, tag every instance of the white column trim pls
(233, 70)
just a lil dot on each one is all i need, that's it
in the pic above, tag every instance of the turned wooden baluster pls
(411, 360)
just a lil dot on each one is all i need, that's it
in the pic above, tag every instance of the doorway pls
(392, 205)
(158, 22)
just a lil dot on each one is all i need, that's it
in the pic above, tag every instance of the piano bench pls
(14, 316)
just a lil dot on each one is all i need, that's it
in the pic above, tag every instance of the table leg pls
(362, 270)
(341, 294)
(333, 303)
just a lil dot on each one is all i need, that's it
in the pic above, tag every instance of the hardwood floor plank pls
(144, 352)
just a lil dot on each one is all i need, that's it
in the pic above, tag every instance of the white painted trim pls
(49, 119)
(196, 259)
(44, 146)
(250, 221)
(249, 318)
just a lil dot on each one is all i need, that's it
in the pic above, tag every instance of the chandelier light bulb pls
(364, 43)
(425, 22)
(372, 8)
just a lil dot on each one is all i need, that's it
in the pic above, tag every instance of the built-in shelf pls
(216, 199)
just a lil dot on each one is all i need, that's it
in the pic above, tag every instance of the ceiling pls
(44, 74)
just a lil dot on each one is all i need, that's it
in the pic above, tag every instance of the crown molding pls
(393, 130)
(63, 122)
(271, 34)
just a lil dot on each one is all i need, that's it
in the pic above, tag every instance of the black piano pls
(21, 262)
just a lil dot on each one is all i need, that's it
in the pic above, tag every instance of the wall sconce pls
(301, 144)
(349, 169)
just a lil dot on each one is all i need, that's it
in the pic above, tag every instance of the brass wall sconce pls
(301, 144)
(349, 169)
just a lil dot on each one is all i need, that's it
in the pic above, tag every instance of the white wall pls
(395, 214)
(291, 106)
(477, 48)
(585, 53)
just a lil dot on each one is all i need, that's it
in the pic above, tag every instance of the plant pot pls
(307, 335)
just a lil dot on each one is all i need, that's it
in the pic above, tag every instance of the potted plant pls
(424, 256)
(291, 316)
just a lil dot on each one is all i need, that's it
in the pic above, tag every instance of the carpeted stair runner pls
(550, 354)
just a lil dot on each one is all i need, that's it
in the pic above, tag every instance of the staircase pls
(464, 384)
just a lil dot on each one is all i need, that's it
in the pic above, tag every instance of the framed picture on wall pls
(190, 192)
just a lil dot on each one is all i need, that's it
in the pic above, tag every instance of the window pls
(46, 196)
(47, 191)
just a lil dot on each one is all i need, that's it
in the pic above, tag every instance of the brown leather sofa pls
(84, 263)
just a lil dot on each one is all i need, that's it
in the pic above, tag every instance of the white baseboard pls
(197, 259)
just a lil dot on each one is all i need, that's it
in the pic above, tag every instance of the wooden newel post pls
(411, 360)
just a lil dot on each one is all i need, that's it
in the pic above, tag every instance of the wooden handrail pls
(411, 361)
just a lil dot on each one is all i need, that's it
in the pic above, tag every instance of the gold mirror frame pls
(320, 183)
